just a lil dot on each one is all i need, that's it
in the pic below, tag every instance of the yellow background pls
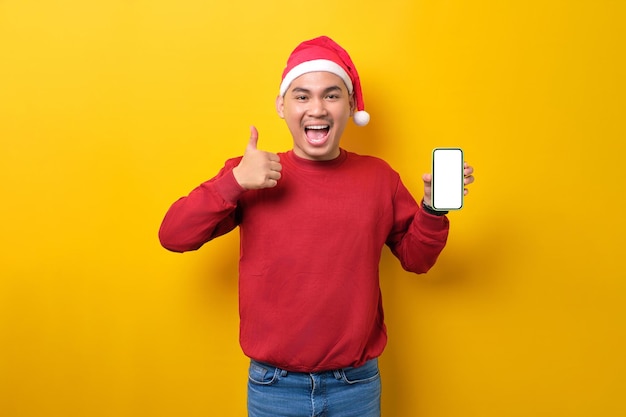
(111, 110)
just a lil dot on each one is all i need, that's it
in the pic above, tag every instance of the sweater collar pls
(312, 165)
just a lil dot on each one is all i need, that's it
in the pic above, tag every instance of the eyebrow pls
(307, 91)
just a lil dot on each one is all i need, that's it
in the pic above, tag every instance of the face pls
(316, 108)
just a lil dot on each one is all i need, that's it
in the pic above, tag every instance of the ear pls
(352, 104)
(280, 106)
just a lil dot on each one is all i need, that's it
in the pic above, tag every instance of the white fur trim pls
(314, 66)
(361, 118)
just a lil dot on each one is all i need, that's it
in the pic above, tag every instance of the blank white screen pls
(447, 178)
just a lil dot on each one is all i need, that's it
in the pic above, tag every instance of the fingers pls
(254, 142)
(273, 157)
(467, 173)
(254, 138)
(257, 169)
(271, 177)
(428, 182)
(469, 178)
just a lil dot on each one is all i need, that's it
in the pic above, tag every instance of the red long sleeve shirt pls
(309, 295)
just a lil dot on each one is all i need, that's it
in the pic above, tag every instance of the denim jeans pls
(273, 392)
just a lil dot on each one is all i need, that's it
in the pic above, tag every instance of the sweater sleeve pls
(417, 237)
(207, 212)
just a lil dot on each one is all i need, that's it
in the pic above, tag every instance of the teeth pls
(317, 127)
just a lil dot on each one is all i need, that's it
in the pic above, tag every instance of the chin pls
(316, 153)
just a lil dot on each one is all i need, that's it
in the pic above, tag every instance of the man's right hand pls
(258, 169)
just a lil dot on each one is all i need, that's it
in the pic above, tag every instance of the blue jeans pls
(273, 392)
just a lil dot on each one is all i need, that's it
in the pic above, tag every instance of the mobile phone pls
(447, 185)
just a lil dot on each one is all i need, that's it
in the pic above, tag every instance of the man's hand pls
(258, 169)
(428, 183)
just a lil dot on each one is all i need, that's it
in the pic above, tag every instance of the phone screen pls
(447, 186)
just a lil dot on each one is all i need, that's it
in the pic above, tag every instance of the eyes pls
(303, 95)
(327, 97)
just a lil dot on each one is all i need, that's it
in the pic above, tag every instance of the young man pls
(313, 222)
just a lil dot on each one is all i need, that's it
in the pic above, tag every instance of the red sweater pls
(309, 295)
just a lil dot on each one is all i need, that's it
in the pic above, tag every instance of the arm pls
(417, 237)
(417, 240)
(209, 210)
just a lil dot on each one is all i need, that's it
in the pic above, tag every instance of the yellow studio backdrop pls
(111, 110)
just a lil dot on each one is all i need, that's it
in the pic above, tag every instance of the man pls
(313, 222)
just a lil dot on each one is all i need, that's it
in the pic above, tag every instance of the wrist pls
(431, 210)
(237, 176)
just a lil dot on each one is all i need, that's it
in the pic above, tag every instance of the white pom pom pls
(361, 118)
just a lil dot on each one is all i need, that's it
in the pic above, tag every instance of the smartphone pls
(447, 185)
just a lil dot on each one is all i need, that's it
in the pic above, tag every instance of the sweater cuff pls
(428, 209)
(228, 187)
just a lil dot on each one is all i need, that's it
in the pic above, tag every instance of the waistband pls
(337, 373)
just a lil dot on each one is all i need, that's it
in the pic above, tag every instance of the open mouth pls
(316, 134)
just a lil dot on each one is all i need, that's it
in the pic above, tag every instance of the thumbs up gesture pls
(258, 169)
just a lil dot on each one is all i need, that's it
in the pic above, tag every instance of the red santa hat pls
(324, 54)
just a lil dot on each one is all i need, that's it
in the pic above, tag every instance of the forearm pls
(420, 247)
(207, 212)
(418, 235)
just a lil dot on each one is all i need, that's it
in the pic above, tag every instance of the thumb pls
(254, 138)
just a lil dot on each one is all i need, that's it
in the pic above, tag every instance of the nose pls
(317, 107)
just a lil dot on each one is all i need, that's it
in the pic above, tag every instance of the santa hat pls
(324, 54)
